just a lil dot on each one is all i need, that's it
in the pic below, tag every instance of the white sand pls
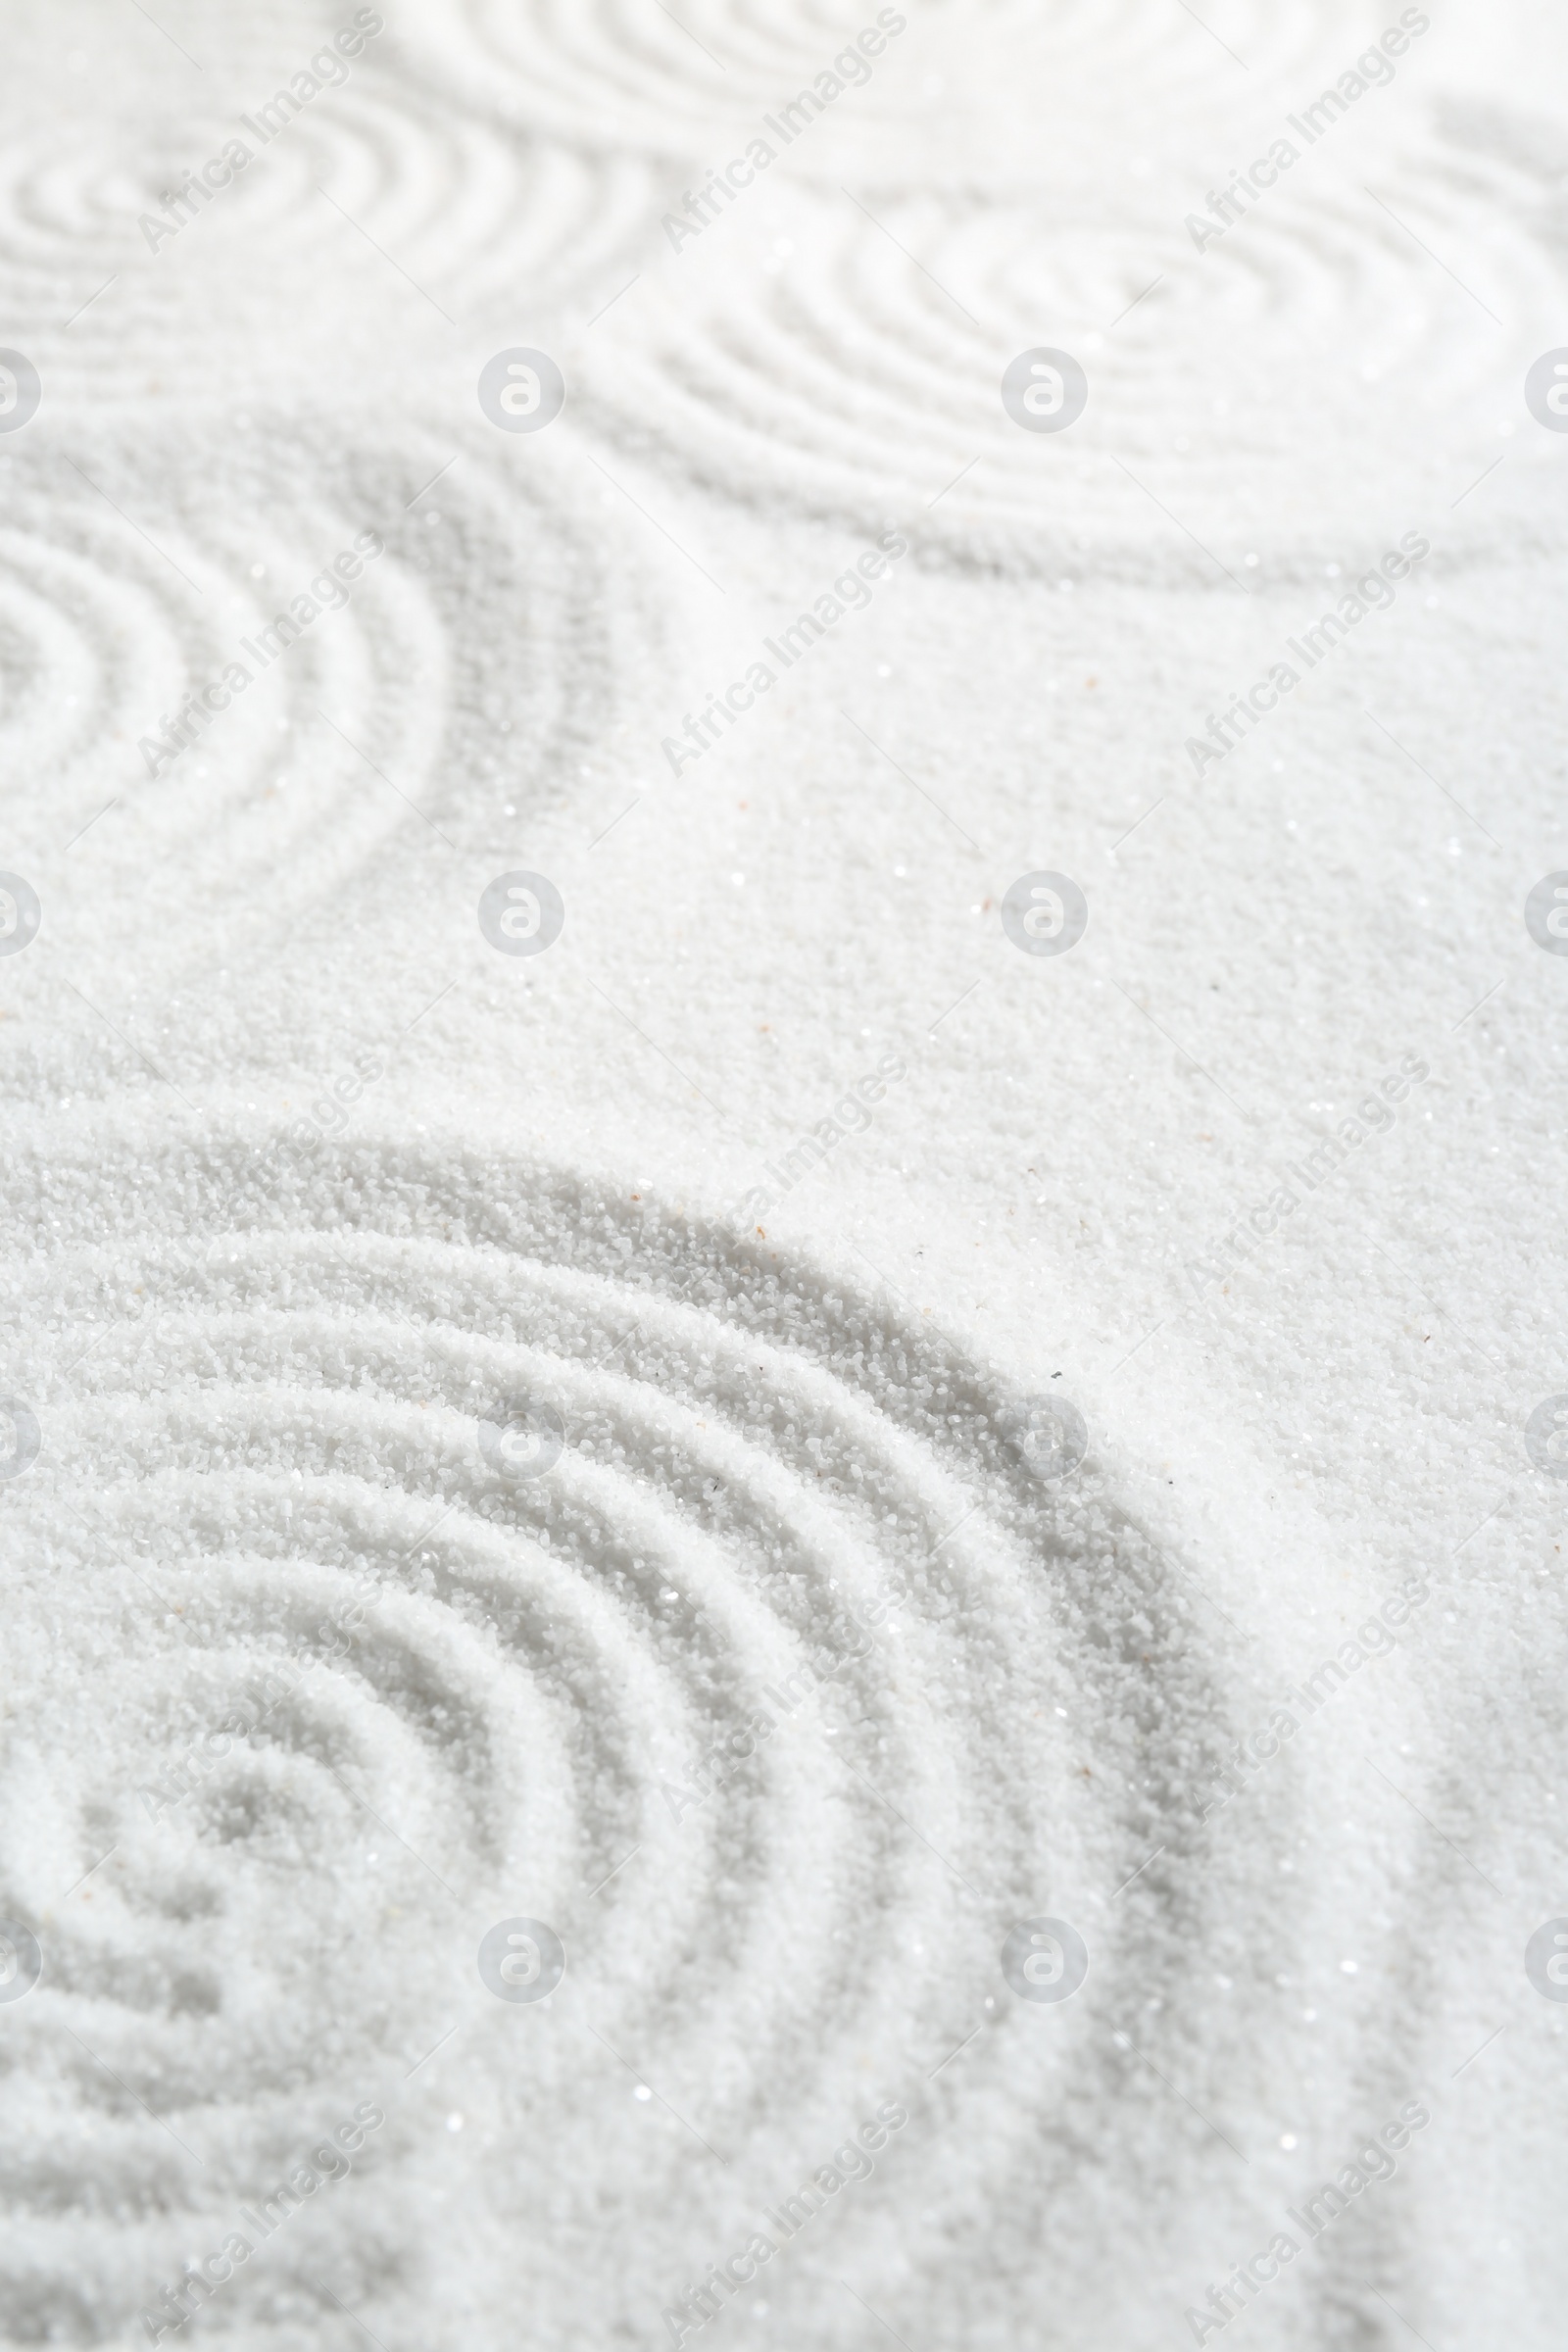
(311, 1191)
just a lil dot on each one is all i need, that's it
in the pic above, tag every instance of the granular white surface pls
(789, 1688)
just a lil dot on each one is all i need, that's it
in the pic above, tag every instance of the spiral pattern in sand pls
(836, 374)
(378, 746)
(637, 1696)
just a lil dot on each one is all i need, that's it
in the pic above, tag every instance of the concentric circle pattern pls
(105, 634)
(541, 1717)
(463, 204)
(838, 376)
(762, 1697)
(359, 719)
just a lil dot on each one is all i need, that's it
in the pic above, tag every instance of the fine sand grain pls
(787, 1626)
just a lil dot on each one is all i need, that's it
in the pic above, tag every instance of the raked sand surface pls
(615, 1559)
